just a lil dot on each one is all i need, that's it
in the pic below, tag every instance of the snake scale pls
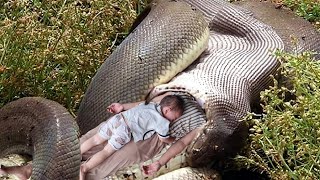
(226, 78)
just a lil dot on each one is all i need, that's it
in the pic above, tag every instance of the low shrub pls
(285, 141)
(308, 9)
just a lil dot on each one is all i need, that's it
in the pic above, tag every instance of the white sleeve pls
(162, 129)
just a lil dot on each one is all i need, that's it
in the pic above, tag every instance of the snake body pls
(297, 34)
(151, 55)
(45, 129)
(227, 79)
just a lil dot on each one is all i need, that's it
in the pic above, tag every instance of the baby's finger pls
(150, 172)
(110, 110)
(145, 170)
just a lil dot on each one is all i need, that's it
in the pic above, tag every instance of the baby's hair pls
(175, 102)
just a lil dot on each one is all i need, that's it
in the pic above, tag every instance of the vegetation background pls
(53, 48)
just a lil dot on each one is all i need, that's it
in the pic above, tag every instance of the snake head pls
(222, 136)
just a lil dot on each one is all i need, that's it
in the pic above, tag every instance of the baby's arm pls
(168, 140)
(131, 105)
(118, 107)
(175, 149)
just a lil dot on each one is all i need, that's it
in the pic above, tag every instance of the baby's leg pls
(100, 137)
(91, 142)
(96, 160)
(94, 149)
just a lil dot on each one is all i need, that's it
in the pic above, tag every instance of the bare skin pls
(175, 149)
(108, 150)
(21, 172)
(24, 172)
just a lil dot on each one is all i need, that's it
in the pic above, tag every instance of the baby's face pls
(171, 115)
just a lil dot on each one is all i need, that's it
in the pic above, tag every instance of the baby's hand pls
(115, 108)
(151, 168)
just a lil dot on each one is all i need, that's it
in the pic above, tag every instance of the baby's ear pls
(166, 109)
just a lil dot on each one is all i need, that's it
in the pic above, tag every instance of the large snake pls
(227, 78)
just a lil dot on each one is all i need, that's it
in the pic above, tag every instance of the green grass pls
(308, 9)
(53, 48)
(286, 140)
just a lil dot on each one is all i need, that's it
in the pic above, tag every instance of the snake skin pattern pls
(226, 79)
(235, 68)
(46, 128)
(188, 173)
(297, 34)
(149, 56)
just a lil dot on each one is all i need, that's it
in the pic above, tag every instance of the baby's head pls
(172, 107)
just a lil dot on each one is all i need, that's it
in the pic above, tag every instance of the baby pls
(133, 120)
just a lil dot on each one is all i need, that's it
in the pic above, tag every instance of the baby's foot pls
(21, 172)
(2, 171)
(25, 172)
